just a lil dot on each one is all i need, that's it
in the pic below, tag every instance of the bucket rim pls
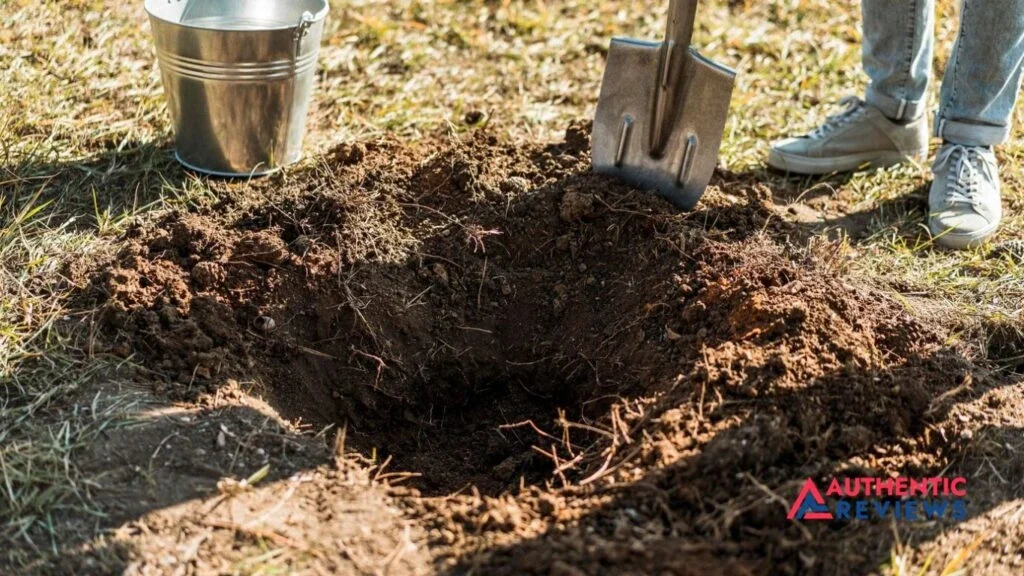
(317, 17)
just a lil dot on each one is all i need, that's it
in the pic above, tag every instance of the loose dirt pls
(516, 367)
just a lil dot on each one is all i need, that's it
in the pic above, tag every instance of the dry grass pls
(84, 147)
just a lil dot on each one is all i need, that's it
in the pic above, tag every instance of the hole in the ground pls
(443, 307)
(472, 418)
(398, 299)
(453, 311)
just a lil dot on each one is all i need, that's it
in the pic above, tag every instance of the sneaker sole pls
(850, 163)
(965, 241)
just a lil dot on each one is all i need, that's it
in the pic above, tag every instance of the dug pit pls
(440, 308)
(480, 314)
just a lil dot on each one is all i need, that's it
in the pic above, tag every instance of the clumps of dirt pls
(616, 380)
(576, 206)
(771, 371)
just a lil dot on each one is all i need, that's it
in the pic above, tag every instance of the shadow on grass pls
(174, 460)
(94, 192)
(812, 207)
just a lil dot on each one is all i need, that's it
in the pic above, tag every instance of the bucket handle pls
(306, 21)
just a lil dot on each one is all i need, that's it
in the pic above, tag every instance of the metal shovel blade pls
(691, 134)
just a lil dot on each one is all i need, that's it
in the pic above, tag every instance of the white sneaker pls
(859, 137)
(964, 203)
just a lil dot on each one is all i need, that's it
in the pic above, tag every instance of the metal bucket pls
(238, 75)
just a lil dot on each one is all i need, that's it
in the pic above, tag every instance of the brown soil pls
(529, 369)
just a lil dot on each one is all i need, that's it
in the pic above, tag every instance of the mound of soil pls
(605, 385)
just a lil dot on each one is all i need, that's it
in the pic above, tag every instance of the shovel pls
(662, 112)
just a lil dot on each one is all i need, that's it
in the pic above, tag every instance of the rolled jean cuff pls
(895, 108)
(970, 134)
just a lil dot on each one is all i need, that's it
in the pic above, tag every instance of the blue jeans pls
(984, 73)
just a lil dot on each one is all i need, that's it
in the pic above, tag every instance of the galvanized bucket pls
(238, 75)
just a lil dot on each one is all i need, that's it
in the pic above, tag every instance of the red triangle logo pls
(809, 505)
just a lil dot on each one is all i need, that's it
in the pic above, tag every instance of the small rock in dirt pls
(505, 286)
(207, 275)
(302, 245)
(804, 214)
(576, 206)
(266, 324)
(857, 438)
(967, 435)
(819, 203)
(577, 136)
(561, 297)
(515, 185)
(169, 315)
(441, 273)
(263, 248)
(466, 176)
(188, 236)
(349, 154)
(502, 518)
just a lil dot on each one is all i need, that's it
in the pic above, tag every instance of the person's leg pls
(891, 126)
(984, 74)
(978, 97)
(899, 40)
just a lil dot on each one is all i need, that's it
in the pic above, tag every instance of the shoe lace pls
(965, 166)
(854, 109)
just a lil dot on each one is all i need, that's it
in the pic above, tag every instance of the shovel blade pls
(622, 127)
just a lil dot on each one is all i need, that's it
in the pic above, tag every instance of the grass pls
(37, 477)
(901, 561)
(84, 142)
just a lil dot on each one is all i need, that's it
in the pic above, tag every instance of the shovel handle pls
(681, 17)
